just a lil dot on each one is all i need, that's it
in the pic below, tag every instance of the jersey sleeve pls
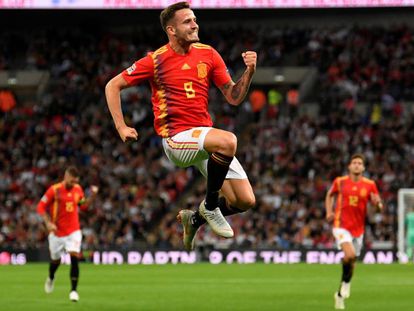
(45, 201)
(335, 186)
(140, 71)
(220, 74)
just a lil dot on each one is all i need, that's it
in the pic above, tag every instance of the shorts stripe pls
(182, 145)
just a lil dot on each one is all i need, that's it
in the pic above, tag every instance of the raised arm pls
(86, 202)
(113, 98)
(236, 92)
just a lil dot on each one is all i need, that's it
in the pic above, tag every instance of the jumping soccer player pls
(180, 74)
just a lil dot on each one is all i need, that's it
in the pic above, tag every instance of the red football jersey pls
(179, 85)
(351, 203)
(62, 206)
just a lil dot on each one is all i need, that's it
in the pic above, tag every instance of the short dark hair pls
(72, 171)
(168, 13)
(357, 156)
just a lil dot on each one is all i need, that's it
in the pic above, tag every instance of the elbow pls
(234, 102)
(109, 86)
(115, 85)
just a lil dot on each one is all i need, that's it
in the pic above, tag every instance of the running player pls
(59, 210)
(352, 193)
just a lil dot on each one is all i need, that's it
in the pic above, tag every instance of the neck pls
(180, 47)
(355, 177)
(66, 186)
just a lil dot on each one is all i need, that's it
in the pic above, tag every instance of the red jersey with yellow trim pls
(179, 85)
(62, 206)
(351, 203)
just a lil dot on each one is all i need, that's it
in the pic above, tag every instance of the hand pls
(94, 189)
(51, 227)
(250, 59)
(329, 217)
(127, 133)
(376, 200)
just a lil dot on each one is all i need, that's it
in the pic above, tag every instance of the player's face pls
(185, 26)
(70, 180)
(356, 167)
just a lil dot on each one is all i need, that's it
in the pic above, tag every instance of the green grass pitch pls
(207, 287)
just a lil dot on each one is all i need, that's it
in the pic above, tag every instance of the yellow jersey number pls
(189, 91)
(353, 200)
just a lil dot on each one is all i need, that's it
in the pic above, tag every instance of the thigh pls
(344, 241)
(73, 242)
(56, 246)
(221, 141)
(187, 148)
(358, 243)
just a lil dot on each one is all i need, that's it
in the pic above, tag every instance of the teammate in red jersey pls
(180, 74)
(352, 193)
(59, 210)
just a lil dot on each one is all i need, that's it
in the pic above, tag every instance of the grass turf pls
(207, 287)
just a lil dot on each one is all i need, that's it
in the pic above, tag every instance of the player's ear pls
(170, 29)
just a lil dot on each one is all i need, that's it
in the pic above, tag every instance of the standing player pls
(352, 194)
(180, 74)
(59, 210)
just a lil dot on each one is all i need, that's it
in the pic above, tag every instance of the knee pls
(246, 203)
(229, 144)
(349, 259)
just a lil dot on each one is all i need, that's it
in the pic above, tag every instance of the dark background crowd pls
(360, 103)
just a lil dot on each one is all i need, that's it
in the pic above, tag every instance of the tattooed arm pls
(236, 92)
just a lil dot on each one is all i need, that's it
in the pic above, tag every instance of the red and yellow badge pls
(202, 70)
(363, 192)
(196, 133)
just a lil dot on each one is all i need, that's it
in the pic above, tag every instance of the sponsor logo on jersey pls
(185, 67)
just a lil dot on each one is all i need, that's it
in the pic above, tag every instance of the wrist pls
(118, 126)
(250, 70)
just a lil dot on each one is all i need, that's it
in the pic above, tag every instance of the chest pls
(177, 71)
(356, 191)
(71, 197)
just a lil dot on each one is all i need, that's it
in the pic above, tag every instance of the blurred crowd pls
(290, 159)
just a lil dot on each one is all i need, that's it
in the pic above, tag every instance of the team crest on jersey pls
(202, 70)
(363, 192)
(131, 69)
